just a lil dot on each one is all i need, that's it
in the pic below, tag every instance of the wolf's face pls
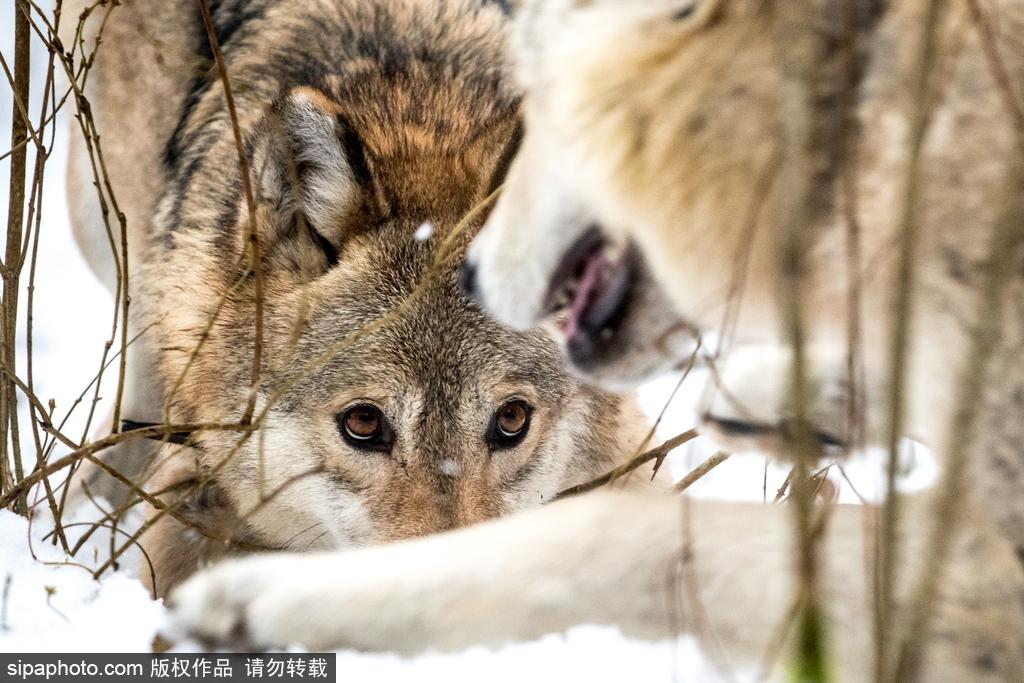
(648, 125)
(436, 418)
(394, 407)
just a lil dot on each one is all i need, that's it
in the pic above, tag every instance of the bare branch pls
(657, 454)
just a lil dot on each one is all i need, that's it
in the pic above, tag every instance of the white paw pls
(250, 604)
(751, 406)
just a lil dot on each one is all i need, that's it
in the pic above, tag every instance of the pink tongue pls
(591, 280)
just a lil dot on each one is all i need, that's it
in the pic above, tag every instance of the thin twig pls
(251, 232)
(690, 364)
(11, 267)
(658, 454)
(800, 52)
(36, 212)
(905, 286)
(106, 442)
(700, 470)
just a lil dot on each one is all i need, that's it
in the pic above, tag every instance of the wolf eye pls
(510, 423)
(364, 426)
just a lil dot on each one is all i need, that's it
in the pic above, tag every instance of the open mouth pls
(589, 293)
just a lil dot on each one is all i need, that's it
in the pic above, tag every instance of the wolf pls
(662, 154)
(386, 405)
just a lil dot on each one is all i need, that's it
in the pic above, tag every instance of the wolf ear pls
(312, 180)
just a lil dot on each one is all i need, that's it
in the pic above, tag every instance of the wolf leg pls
(652, 565)
(750, 404)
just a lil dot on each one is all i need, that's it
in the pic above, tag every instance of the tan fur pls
(658, 124)
(361, 121)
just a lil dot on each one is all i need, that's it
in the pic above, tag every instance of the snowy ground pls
(50, 604)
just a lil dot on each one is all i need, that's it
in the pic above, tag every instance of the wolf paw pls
(751, 408)
(247, 605)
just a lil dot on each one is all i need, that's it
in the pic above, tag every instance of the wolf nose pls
(467, 280)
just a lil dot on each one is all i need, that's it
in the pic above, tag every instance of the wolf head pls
(649, 127)
(391, 405)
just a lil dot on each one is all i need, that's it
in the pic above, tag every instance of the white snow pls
(590, 653)
(53, 604)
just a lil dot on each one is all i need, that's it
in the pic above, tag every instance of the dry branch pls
(799, 53)
(106, 442)
(700, 470)
(11, 266)
(657, 454)
(251, 233)
(887, 551)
